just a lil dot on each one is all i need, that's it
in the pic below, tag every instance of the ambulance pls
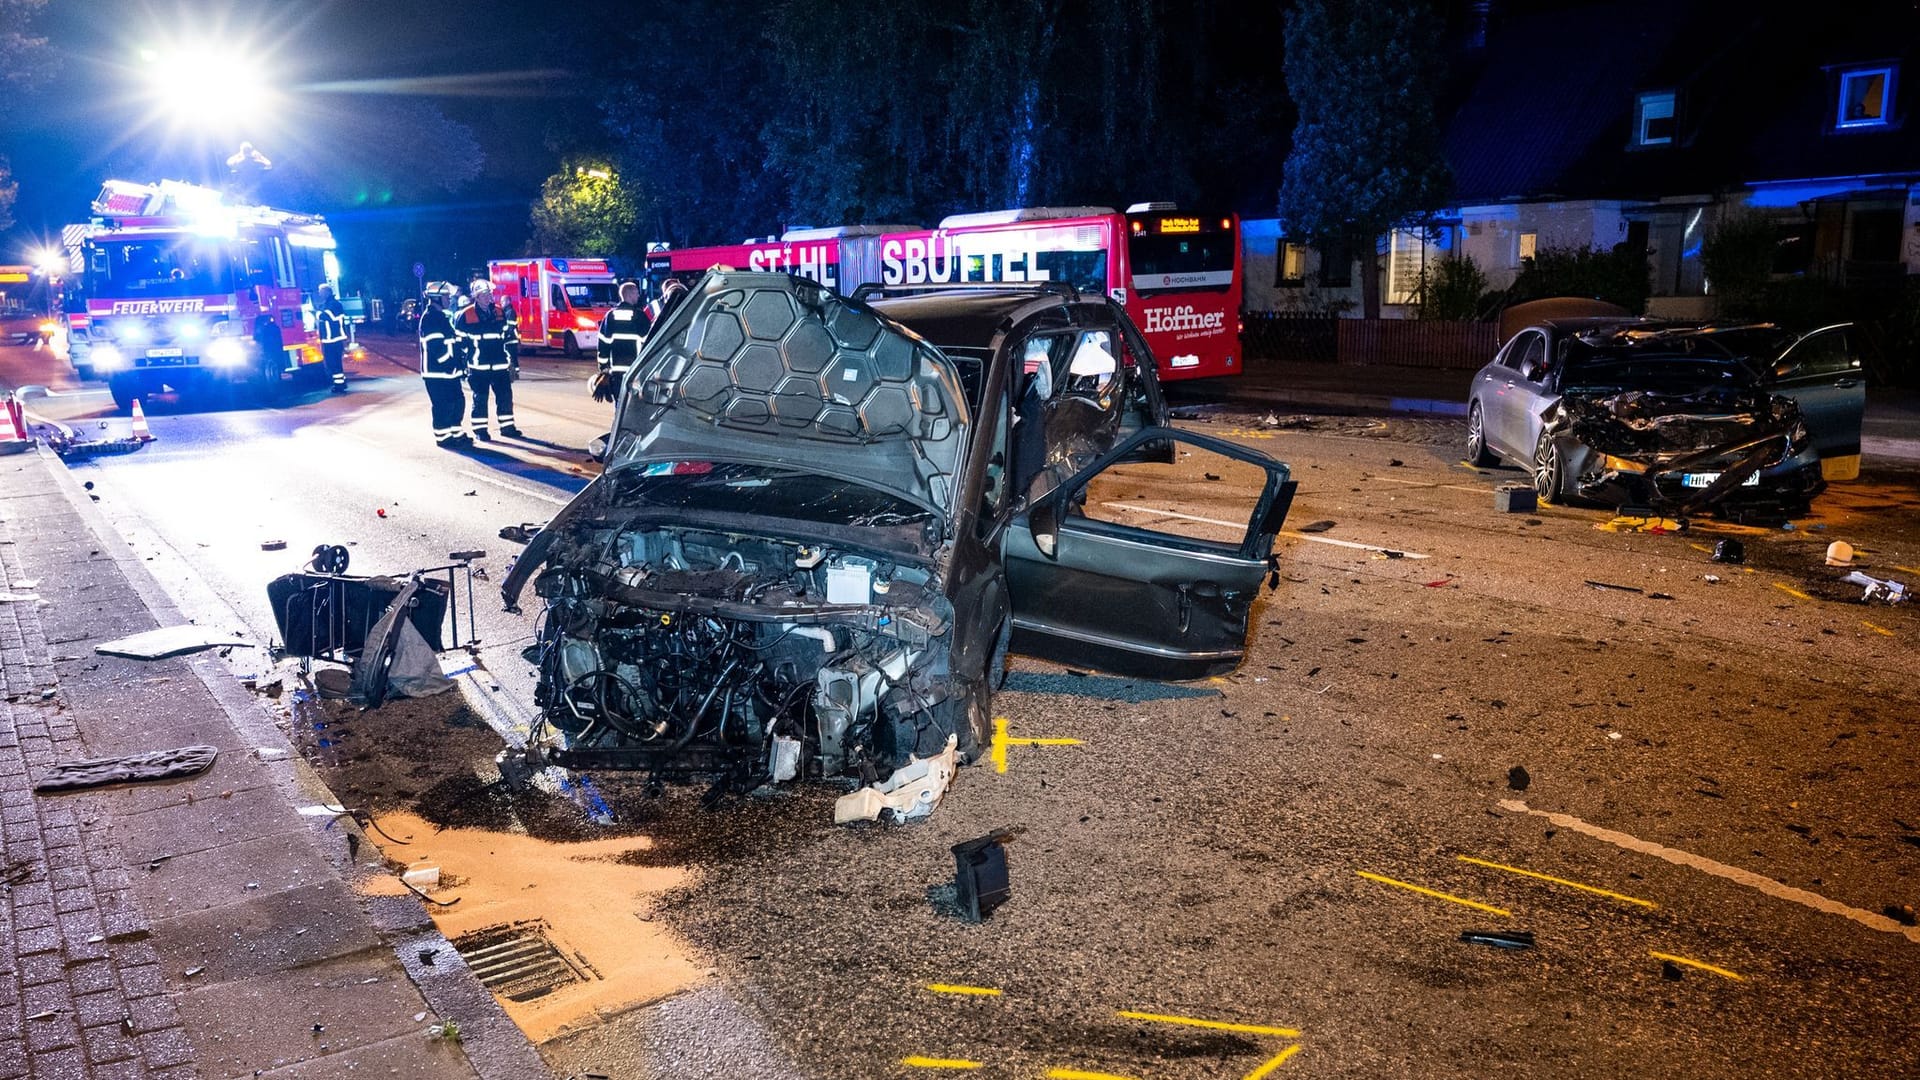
(559, 302)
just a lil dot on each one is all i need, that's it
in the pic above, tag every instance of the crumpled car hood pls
(769, 369)
(1654, 426)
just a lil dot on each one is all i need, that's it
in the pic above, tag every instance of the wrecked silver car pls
(798, 560)
(1679, 417)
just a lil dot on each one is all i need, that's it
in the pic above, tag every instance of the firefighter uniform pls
(511, 316)
(440, 369)
(481, 333)
(330, 319)
(622, 331)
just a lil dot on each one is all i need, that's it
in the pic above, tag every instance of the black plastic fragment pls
(1518, 778)
(1499, 939)
(980, 877)
(1729, 551)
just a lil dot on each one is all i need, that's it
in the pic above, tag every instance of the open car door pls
(1106, 571)
(1821, 373)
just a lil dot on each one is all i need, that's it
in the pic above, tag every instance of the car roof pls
(965, 319)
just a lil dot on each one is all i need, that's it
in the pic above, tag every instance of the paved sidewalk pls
(203, 928)
(1891, 428)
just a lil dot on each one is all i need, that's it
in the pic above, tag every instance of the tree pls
(1452, 288)
(586, 209)
(1366, 151)
(25, 65)
(1737, 256)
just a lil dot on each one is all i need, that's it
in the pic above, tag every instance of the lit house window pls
(1865, 96)
(1293, 264)
(1653, 119)
(1408, 254)
(1529, 243)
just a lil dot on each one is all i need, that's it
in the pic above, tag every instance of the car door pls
(1821, 373)
(1521, 399)
(1098, 578)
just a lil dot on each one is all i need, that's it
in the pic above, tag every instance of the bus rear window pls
(1189, 259)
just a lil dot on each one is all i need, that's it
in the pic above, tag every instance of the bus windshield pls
(178, 266)
(1182, 260)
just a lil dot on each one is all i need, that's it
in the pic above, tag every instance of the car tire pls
(570, 345)
(83, 372)
(1478, 455)
(1549, 470)
(125, 390)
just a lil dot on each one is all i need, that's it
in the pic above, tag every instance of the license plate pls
(1706, 479)
(164, 352)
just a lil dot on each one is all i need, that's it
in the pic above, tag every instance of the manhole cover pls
(520, 961)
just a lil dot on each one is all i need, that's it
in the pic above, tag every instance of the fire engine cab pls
(559, 301)
(191, 293)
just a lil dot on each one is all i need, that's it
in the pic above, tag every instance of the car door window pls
(1532, 350)
(1822, 353)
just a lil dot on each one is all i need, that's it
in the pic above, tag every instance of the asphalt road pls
(1266, 874)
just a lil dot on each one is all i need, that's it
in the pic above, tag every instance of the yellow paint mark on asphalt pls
(955, 988)
(1082, 1074)
(1622, 897)
(1791, 591)
(917, 1062)
(1639, 524)
(1701, 547)
(1878, 629)
(1001, 740)
(1475, 904)
(1211, 1025)
(1906, 569)
(1273, 1063)
(1683, 961)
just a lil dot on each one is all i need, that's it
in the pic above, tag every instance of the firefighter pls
(440, 368)
(511, 316)
(482, 332)
(622, 331)
(331, 320)
(672, 291)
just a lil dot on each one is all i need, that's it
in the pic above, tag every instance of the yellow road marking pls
(1791, 591)
(1211, 1025)
(1878, 629)
(1558, 881)
(1001, 741)
(1082, 1074)
(1723, 972)
(1273, 1063)
(955, 988)
(1475, 904)
(1701, 547)
(1906, 569)
(917, 1062)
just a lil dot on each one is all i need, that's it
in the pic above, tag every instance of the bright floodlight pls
(211, 90)
(50, 260)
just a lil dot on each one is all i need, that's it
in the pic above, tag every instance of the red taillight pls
(1226, 223)
(1242, 324)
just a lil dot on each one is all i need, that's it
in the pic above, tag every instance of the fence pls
(1311, 337)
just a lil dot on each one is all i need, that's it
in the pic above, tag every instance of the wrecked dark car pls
(1676, 417)
(810, 549)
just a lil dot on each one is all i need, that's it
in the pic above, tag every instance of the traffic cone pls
(140, 429)
(13, 435)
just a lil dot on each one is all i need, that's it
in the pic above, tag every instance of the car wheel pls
(1549, 470)
(125, 390)
(570, 346)
(1478, 455)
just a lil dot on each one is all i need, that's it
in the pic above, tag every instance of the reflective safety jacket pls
(438, 357)
(330, 319)
(481, 336)
(511, 318)
(622, 331)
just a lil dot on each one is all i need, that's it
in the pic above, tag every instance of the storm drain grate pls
(520, 961)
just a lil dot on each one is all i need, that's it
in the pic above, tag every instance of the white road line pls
(1468, 488)
(1241, 525)
(1719, 869)
(515, 488)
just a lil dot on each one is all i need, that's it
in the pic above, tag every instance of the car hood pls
(775, 370)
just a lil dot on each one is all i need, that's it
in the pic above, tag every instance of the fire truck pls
(1177, 274)
(188, 292)
(559, 302)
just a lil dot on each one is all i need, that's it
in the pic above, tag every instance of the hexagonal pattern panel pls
(758, 368)
(809, 348)
(769, 315)
(720, 336)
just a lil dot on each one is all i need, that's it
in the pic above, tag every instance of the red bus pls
(1178, 275)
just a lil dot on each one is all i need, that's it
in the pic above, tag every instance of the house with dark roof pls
(1644, 124)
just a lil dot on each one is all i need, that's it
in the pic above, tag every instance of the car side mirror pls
(1043, 521)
